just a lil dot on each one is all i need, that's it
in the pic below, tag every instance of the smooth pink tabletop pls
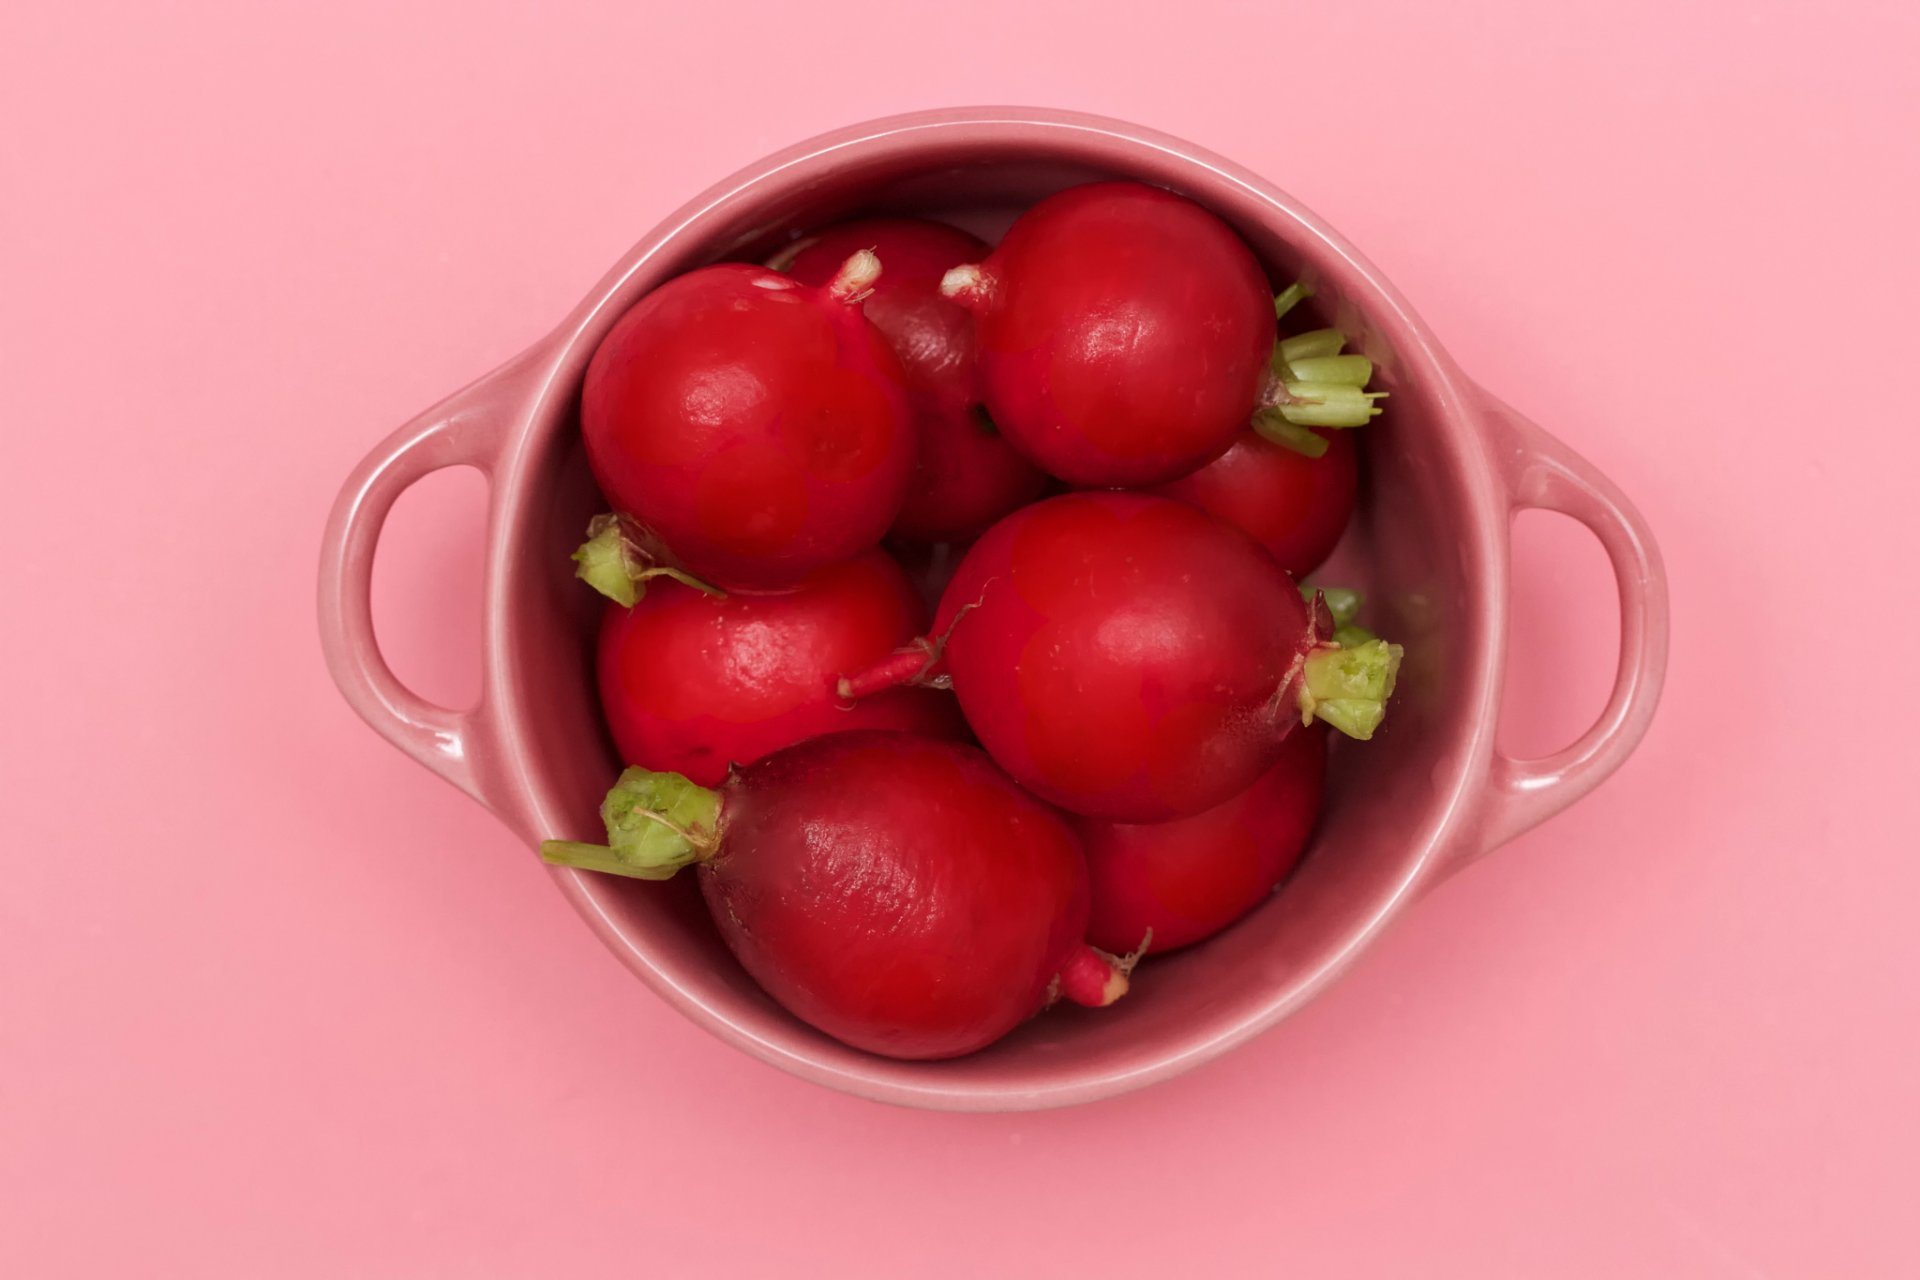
(276, 1002)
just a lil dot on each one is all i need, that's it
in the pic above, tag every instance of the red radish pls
(1125, 334)
(755, 427)
(1128, 657)
(967, 476)
(1188, 879)
(693, 683)
(1293, 505)
(897, 892)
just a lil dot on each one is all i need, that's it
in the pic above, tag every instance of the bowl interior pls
(1409, 548)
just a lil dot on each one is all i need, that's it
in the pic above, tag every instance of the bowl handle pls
(1540, 472)
(469, 428)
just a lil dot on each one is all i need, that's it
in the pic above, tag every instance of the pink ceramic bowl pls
(1447, 467)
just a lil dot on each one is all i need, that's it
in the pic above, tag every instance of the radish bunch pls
(918, 828)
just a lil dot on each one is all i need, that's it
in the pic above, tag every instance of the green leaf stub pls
(607, 563)
(656, 824)
(1349, 688)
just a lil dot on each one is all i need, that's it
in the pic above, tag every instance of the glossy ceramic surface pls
(1446, 468)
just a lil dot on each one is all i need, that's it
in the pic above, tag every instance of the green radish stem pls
(1290, 297)
(1349, 371)
(613, 562)
(1327, 404)
(1311, 345)
(1273, 424)
(1343, 603)
(1351, 635)
(656, 823)
(1314, 385)
(1349, 688)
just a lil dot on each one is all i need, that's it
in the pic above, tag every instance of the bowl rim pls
(557, 360)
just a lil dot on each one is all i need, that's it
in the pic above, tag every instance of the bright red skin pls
(1125, 334)
(1295, 506)
(1188, 879)
(757, 427)
(899, 893)
(1127, 656)
(692, 684)
(967, 475)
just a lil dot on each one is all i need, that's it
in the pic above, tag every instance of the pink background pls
(275, 1002)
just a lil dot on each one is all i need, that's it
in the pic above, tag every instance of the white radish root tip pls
(856, 277)
(962, 281)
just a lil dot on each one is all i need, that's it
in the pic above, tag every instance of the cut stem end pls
(1349, 688)
(656, 824)
(613, 562)
(1327, 404)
